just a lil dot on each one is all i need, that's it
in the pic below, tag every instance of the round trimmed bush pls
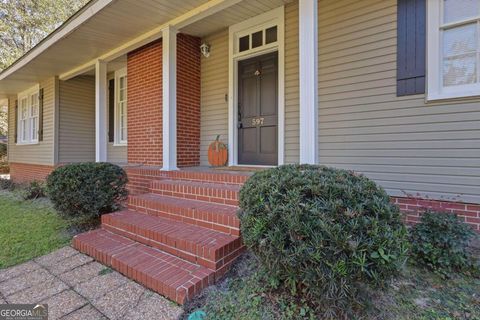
(321, 232)
(87, 190)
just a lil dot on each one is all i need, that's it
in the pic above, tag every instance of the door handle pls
(240, 125)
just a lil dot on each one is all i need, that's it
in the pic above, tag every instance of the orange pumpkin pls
(217, 153)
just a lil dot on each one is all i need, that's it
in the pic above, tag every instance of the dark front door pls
(258, 110)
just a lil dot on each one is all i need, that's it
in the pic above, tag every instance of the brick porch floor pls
(179, 234)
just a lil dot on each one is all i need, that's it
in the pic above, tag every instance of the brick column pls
(145, 103)
(188, 101)
(144, 70)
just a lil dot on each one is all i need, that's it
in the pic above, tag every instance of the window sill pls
(26, 143)
(120, 144)
(470, 94)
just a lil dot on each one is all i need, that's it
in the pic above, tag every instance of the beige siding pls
(408, 146)
(116, 154)
(214, 108)
(292, 143)
(77, 120)
(43, 152)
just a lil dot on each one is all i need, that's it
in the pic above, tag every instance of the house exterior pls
(388, 88)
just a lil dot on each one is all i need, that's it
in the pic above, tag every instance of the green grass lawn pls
(28, 229)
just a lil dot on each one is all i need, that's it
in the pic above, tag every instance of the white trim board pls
(273, 17)
(308, 80)
(116, 116)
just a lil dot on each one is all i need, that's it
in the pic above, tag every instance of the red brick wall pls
(414, 207)
(145, 103)
(144, 67)
(22, 172)
(188, 101)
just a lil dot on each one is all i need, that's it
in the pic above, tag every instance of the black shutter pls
(15, 125)
(411, 47)
(40, 115)
(111, 110)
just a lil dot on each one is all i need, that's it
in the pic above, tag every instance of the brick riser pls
(141, 177)
(208, 176)
(179, 235)
(210, 192)
(204, 214)
(207, 248)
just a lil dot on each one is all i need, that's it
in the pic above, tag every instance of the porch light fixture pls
(205, 50)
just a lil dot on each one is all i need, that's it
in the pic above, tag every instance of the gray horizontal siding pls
(77, 120)
(214, 87)
(407, 145)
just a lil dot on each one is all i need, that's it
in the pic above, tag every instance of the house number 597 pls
(257, 121)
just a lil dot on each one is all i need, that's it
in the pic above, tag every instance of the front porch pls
(164, 103)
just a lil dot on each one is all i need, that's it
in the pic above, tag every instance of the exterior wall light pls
(205, 50)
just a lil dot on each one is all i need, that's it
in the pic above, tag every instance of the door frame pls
(275, 17)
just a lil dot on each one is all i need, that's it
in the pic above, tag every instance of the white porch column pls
(101, 111)
(169, 47)
(308, 48)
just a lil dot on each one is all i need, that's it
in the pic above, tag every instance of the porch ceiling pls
(104, 25)
(232, 15)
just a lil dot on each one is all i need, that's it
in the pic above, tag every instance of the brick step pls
(198, 190)
(218, 217)
(205, 247)
(224, 177)
(170, 276)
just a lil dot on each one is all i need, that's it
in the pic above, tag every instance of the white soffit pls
(232, 15)
(108, 27)
(99, 27)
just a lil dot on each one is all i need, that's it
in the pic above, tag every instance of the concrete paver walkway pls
(76, 287)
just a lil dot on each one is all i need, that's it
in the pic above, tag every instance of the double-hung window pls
(28, 117)
(453, 48)
(121, 107)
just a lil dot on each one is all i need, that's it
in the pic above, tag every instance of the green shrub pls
(34, 190)
(321, 233)
(440, 242)
(87, 190)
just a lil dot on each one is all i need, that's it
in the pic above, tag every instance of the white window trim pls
(265, 20)
(435, 88)
(117, 141)
(27, 94)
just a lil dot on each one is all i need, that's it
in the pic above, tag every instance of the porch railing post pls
(100, 111)
(308, 50)
(169, 47)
